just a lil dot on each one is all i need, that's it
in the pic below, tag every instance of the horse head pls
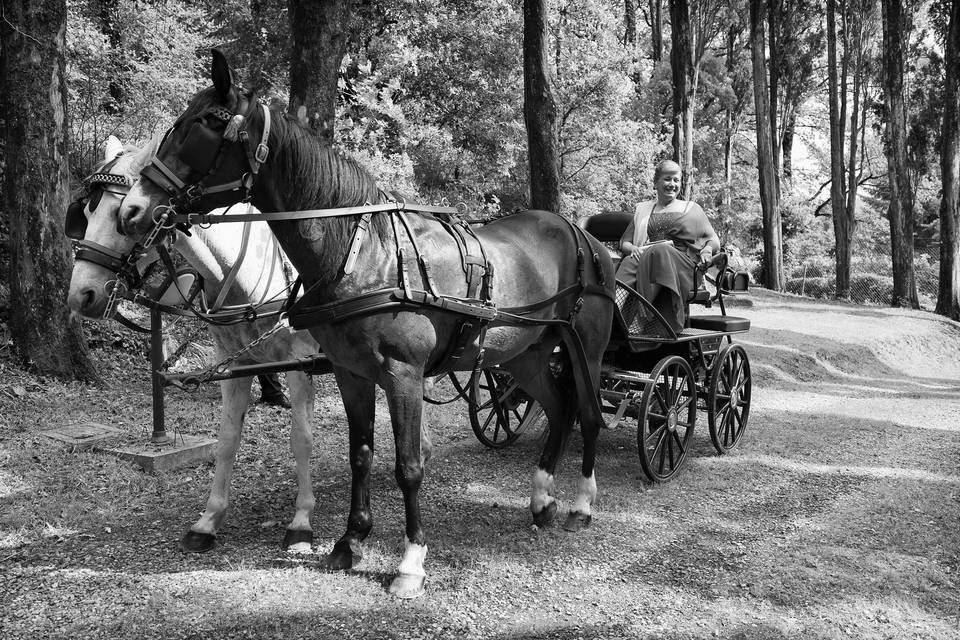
(104, 255)
(207, 159)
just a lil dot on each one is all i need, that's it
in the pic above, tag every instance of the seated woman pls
(666, 240)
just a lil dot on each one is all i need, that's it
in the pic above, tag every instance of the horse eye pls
(94, 200)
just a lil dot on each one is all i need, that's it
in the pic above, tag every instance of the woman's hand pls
(637, 251)
(706, 255)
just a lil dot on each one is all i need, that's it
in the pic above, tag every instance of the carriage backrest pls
(606, 227)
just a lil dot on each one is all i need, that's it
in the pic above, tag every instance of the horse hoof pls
(298, 541)
(576, 521)
(546, 515)
(345, 554)
(407, 586)
(196, 542)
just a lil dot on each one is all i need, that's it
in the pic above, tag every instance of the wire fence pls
(871, 279)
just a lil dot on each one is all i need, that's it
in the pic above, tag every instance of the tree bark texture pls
(540, 110)
(853, 161)
(948, 296)
(789, 130)
(656, 30)
(842, 233)
(630, 22)
(681, 55)
(774, 9)
(900, 209)
(35, 187)
(318, 31)
(769, 202)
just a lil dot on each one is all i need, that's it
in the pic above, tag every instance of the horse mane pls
(312, 175)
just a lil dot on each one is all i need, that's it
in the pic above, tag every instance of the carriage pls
(659, 383)
(393, 294)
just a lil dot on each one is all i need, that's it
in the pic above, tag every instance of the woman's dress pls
(674, 238)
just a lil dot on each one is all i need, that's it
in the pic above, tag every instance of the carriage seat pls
(727, 324)
(609, 227)
(606, 227)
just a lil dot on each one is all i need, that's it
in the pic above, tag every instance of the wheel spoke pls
(658, 395)
(663, 454)
(486, 423)
(737, 370)
(679, 440)
(654, 433)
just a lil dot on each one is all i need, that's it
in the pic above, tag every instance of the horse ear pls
(222, 75)
(111, 148)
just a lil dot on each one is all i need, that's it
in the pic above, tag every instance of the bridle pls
(202, 150)
(75, 227)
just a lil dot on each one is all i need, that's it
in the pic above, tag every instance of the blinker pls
(75, 224)
(200, 147)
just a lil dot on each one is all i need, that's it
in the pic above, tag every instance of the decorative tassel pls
(232, 132)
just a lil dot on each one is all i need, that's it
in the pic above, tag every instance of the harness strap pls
(129, 324)
(421, 261)
(356, 243)
(306, 214)
(234, 270)
(382, 300)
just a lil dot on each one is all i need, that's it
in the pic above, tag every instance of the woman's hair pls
(663, 167)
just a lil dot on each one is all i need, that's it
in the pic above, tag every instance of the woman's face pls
(668, 186)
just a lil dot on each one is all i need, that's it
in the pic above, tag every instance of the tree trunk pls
(841, 230)
(769, 202)
(901, 190)
(539, 110)
(318, 32)
(729, 129)
(630, 22)
(681, 62)
(948, 296)
(853, 163)
(656, 30)
(786, 149)
(35, 187)
(105, 11)
(774, 9)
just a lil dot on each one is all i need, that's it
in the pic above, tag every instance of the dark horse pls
(211, 157)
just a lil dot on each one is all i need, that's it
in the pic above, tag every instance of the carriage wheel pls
(728, 397)
(668, 413)
(499, 409)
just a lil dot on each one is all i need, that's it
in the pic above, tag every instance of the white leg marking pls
(542, 495)
(413, 557)
(586, 494)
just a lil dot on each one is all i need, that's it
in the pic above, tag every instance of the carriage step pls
(726, 324)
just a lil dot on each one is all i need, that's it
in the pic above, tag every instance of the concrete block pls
(182, 451)
(83, 435)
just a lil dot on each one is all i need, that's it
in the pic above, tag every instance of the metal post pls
(156, 361)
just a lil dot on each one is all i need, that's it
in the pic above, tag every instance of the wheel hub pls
(672, 419)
